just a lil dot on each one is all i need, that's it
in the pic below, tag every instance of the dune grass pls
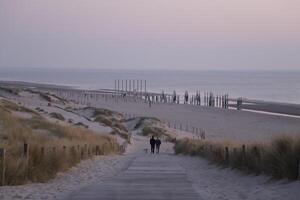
(278, 158)
(52, 148)
(57, 116)
(156, 132)
(112, 119)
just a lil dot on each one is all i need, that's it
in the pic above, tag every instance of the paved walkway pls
(149, 177)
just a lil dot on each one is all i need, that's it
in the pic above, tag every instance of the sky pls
(150, 34)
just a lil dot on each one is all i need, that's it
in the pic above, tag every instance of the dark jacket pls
(158, 142)
(152, 141)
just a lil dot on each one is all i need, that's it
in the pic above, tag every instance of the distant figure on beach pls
(186, 97)
(149, 101)
(174, 96)
(157, 144)
(152, 144)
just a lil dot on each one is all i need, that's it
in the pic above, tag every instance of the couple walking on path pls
(155, 143)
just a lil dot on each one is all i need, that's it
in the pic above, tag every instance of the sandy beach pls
(209, 181)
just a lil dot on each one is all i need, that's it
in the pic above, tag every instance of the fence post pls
(42, 151)
(26, 156)
(244, 154)
(97, 150)
(299, 170)
(2, 155)
(227, 155)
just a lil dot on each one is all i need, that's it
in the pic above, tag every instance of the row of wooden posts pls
(208, 98)
(130, 86)
(83, 150)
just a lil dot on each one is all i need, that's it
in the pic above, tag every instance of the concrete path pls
(149, 177)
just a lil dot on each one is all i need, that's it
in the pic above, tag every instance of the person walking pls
(152, 144)
(157, 144)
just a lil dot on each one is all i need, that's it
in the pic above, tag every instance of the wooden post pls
(118, 85)
(227, 155)
(2, 155)
(89, 150)
(42, 151)
(97, 150)
(26, 150)
(81, 152)
(299, 170)
(244, 154)
(26, 156)
(133, 85)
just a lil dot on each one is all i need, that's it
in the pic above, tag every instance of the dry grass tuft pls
(113, 120)
(52, 148)
(279, 158)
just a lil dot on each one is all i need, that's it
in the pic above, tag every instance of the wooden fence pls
(81, 152)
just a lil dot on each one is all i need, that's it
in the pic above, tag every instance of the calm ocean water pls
(281, 86)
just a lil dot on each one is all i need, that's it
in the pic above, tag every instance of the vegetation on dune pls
(113, 120)
(10, 106)
(52, 147)
(156, 132)
(151, 126)
(279, 158)
(81, 124)
(143, 120)
(57, 116)
(10, 90)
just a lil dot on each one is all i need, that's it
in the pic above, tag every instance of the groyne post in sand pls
(2, 158)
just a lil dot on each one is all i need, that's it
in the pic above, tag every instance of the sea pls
(277, 86)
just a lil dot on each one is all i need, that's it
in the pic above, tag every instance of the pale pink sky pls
(146, 34)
